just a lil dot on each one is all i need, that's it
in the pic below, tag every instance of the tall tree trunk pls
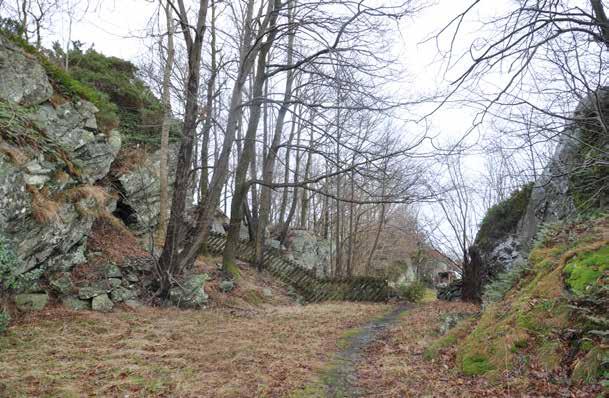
(166, 124)
(285, 228)
(269, 161)
(171, 262)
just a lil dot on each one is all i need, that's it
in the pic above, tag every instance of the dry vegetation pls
(44, 209)
(161, 352)
(395, 366)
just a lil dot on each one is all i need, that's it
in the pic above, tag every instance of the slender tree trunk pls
(166, 124)
(286, 225)
(270, 158)
(304, 206)
(172, 262)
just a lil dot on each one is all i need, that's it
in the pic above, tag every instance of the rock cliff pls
(51, 156)
(570, 184)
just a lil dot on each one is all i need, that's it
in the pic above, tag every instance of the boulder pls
(102, 303)
(31, 302)
(22, 79)
(312, 253)
(121, 294)
(89, 292)
(451, 292)
(61, 283)
(70, 125)
(74, 303)
(190, 293)
(140, 191)
(226, 286)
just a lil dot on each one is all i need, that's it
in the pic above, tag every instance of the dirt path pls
(341, 379)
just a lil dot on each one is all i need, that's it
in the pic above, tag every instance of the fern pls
(504, 282)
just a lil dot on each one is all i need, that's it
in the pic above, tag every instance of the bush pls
(414, 292)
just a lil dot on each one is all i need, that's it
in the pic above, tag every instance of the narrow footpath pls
(340, 379)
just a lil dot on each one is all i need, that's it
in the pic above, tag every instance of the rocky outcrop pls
(22, 79)
(312, 253)
(140, 191)
(50, 157)
(577, 166)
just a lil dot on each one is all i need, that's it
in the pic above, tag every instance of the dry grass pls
(249, 290)
(395, 365)
(169, 352)
(44, 209)
(128, 159)
(99, 194)
(113, 240)
(16, 155)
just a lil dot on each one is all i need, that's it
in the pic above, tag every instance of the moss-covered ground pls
(537, 328)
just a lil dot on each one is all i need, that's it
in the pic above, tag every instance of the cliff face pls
(572, 182)
(51, 156)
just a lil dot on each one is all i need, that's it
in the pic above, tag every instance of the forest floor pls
(273, 351)
(318, 351)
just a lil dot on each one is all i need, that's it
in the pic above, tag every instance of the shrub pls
(140, 113)
(414, 292)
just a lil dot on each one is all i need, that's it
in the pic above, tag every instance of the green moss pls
(475, 365)
(584, 272)
(503, 218)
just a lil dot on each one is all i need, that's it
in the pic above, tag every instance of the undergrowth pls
(413, 292)
(529, 309)
(504, 282)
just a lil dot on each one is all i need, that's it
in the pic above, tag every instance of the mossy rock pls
(31, 302)
(502, 218)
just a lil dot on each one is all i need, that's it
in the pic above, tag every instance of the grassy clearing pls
(160, 352)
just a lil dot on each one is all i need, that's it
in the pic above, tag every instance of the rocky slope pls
(63, 183)
(51, 155)
(543, 259)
